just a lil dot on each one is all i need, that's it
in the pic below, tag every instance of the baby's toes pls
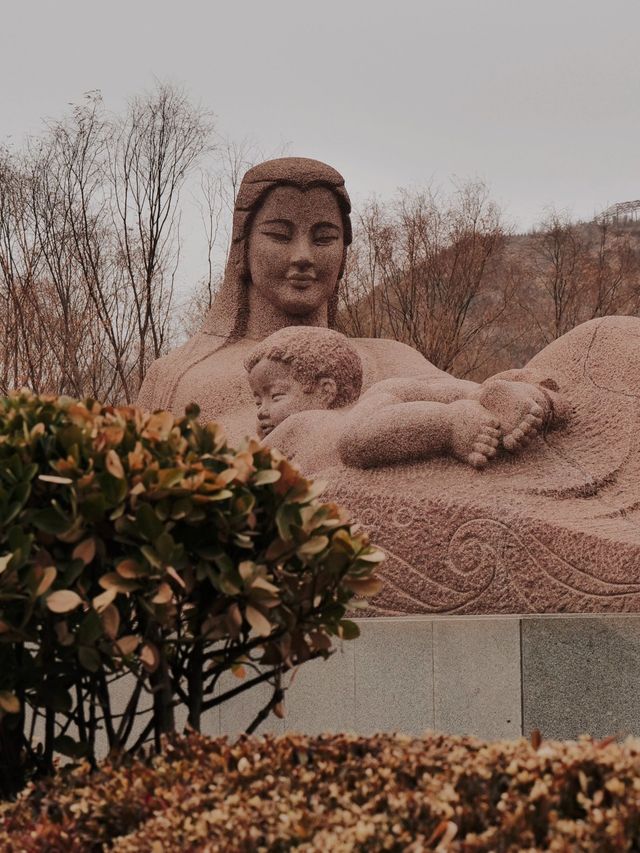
(490, 438)
(514, 440)
(478, 460)
(493, 433)
(536, 410)
(533, 422)
(486, 449)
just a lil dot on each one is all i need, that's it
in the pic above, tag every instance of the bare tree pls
(157, 144)
(421, 273)
(613, 271)
(582, 271)
(89, 244)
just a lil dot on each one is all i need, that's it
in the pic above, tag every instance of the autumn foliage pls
(142, 545)
(387, 792)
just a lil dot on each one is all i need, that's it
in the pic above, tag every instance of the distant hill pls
(537, 286)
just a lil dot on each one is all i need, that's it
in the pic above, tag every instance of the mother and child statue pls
(519, 494)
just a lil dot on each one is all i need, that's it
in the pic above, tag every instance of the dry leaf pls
(113, 464)
(128, 569)
(63, 601)
(110, 618)
(48, 577)
(128, 644)
(9, 702)
(258, 622)
(85, 551)
(149, 657)
(102, 601)
(172, 573)
(163, 595)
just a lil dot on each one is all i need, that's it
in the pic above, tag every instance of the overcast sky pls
(541, 99)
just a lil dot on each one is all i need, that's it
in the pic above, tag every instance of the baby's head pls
(300, 368)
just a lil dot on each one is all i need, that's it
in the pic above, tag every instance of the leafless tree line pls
(443, 274)
(89, 243)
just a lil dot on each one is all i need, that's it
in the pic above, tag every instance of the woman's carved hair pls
(228, 315)
(312, 353)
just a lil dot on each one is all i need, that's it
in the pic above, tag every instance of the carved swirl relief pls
(437, 563)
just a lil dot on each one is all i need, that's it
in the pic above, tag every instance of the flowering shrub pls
(141, 543)
(387, 792)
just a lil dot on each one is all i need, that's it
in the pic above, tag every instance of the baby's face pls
(278, 394)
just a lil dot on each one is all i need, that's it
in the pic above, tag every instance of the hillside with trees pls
(445, 276)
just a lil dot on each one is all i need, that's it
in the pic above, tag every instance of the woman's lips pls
(301, 279)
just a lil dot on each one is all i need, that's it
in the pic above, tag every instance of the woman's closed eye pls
(278, 236)
(325, 235)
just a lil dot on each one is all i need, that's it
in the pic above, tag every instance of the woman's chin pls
(300, 302)
(301, 308)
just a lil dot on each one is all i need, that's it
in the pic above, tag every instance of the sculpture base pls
(492, 677)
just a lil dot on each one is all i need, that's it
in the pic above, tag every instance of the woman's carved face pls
(296, 247)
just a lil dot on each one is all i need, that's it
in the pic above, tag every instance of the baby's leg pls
(379, 430)
(434, 390)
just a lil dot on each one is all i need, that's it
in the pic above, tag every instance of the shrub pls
(387, 792)
(141, 543)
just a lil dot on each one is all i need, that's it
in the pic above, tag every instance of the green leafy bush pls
(141, 543)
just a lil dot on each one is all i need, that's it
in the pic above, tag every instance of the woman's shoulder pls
(383, 358)
(162, 372)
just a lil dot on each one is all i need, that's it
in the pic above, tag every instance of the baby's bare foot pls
(523, 410)
(475, 432)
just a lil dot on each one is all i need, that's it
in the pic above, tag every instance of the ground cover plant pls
(141, 545)
(340, 793)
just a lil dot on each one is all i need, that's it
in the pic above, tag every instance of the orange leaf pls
(51, 478)
(9, 702)
(63, 601)
(364, 586)
(163, 595)
(112, 580)
(110, 619)
(158, 426)
(48, 578)
(258, 622)
(114, 465)
(85, 551)
(102, 601)
(128, 569)
(172, 572)
(128, 644)
(149, 657)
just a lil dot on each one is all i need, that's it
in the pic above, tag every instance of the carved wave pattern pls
(484, 566)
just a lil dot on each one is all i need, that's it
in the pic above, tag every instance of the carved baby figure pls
(306, 381)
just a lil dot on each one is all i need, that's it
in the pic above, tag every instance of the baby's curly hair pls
(313, 352)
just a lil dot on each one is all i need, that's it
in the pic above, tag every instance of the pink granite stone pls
(519, 495)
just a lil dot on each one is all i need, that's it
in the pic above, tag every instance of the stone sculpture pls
(307, 379)
(547, 522)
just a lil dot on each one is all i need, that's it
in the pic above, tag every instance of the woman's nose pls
(263, 413)
(302, 253)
